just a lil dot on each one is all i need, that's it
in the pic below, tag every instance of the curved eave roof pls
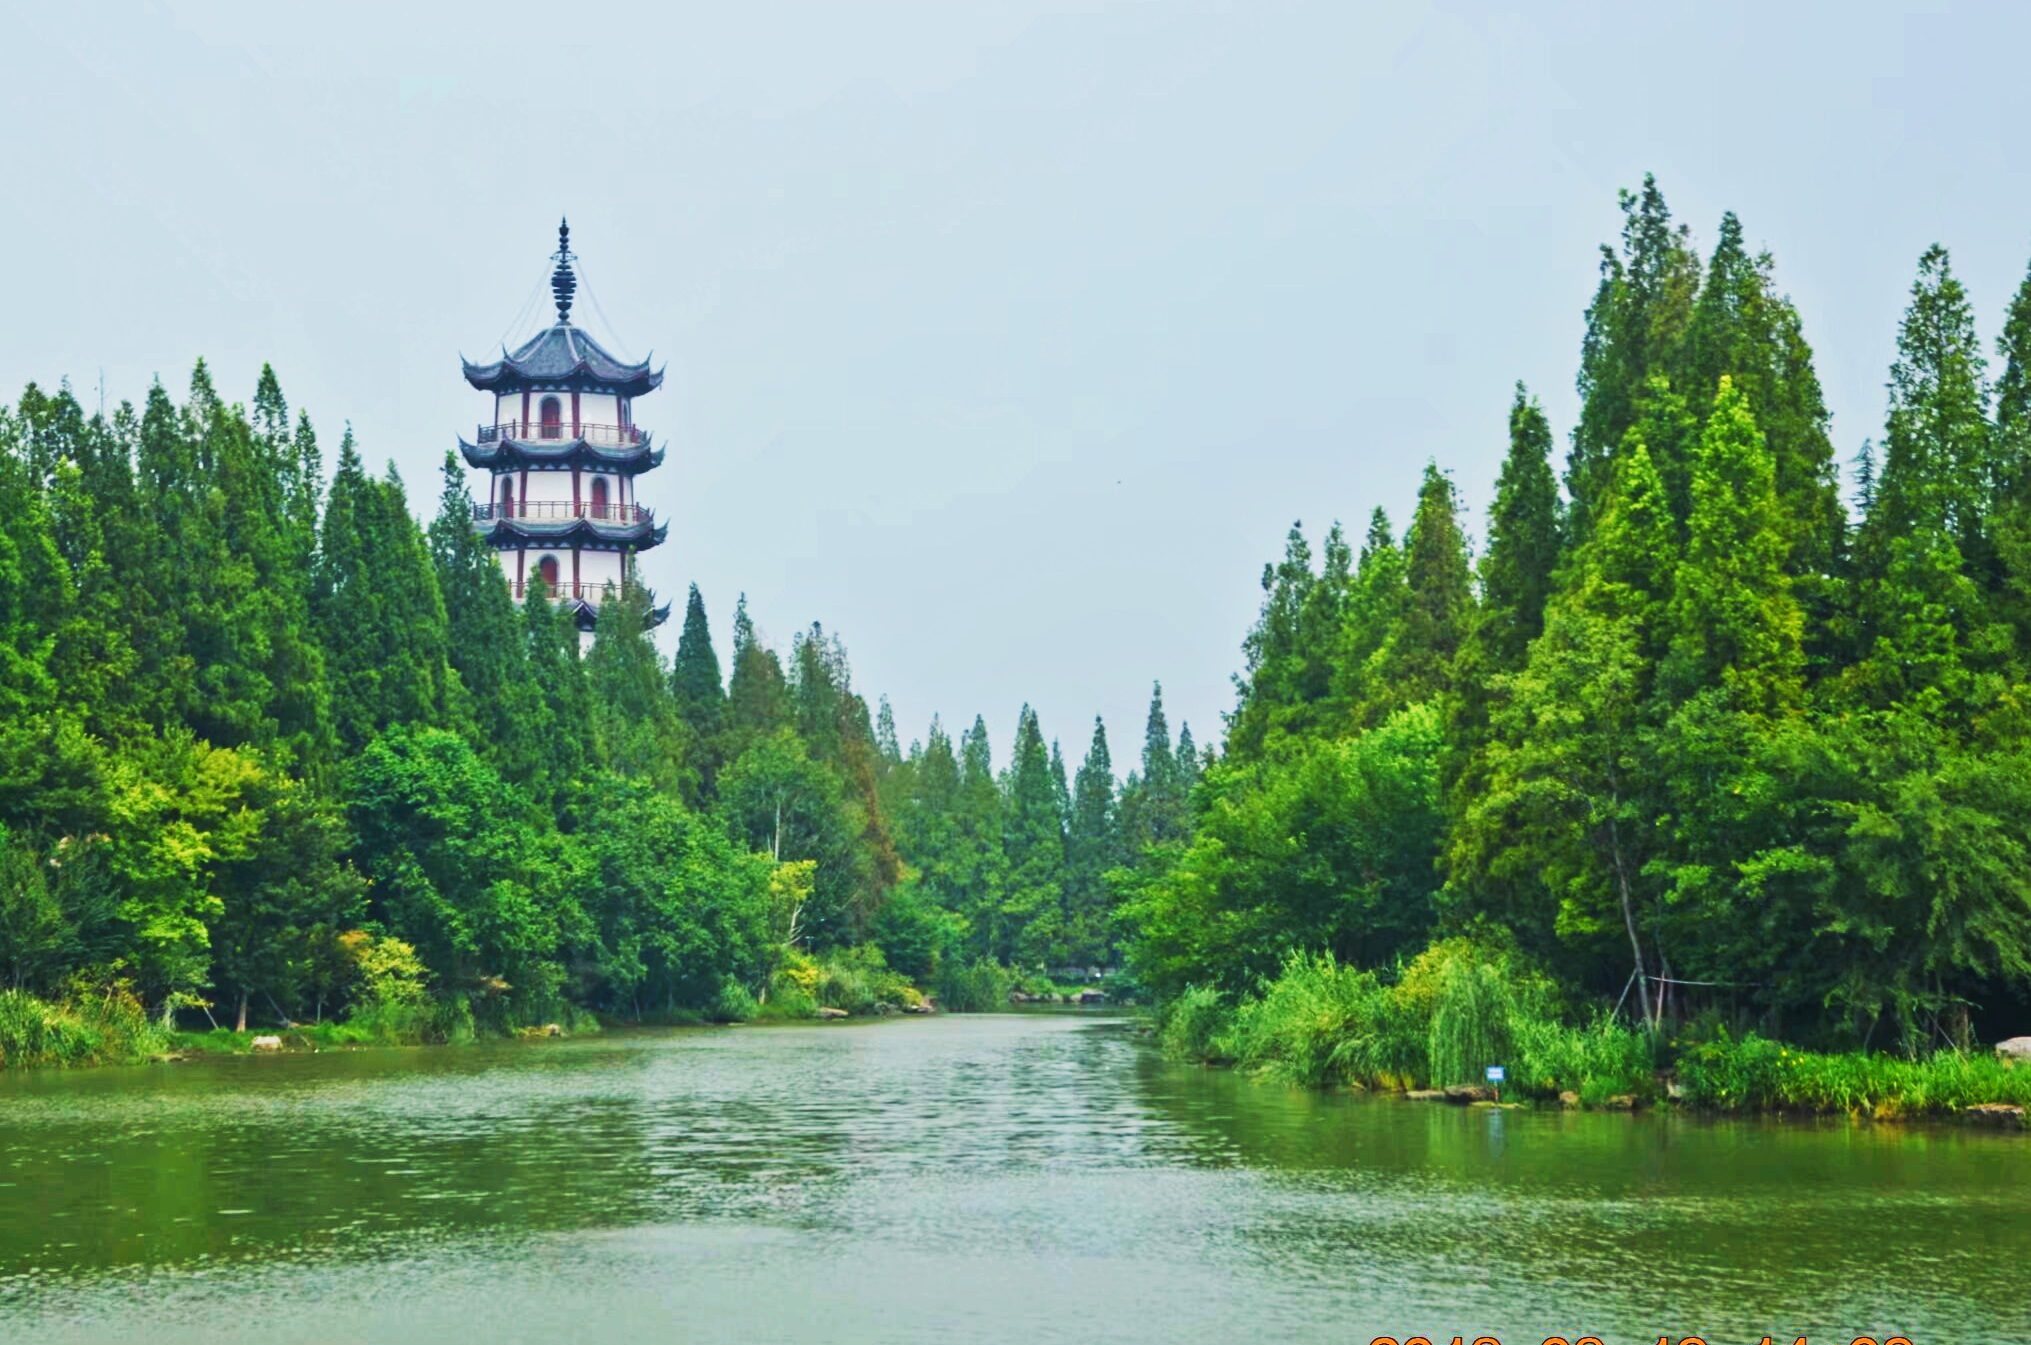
(551, 453)
(562, 357)
(586, 615)
(565, 532)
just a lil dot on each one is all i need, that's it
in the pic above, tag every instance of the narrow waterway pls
(956, 1180)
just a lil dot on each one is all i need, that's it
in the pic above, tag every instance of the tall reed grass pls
(1753, 1073)
(1461, 1006)
(88, 1028)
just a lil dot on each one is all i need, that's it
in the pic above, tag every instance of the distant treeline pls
(1690, 731)
(268, 745)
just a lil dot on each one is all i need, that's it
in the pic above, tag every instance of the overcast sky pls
(1004, 338)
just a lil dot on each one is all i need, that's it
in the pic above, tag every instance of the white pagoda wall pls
(594, 408)
(595, 568)
(553, 486)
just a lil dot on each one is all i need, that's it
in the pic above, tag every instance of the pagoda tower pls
(563, 454)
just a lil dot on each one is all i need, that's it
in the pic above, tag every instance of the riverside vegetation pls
(1703, 773)
(273, 756)
(1693, 780)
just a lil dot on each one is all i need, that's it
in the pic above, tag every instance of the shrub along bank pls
(1440, 1019)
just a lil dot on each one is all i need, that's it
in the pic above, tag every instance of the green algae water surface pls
(957, 1180)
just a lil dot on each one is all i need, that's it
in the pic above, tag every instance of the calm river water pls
(957, 1180)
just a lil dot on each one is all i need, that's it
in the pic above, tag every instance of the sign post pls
(1496, 1075)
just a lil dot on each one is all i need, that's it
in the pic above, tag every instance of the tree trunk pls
(241, 1026)
(1629, 920)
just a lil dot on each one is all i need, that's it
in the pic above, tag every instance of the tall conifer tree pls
(637, 722)
(570, 737)
(1092, 847)
(1032, 925)
(695, 674)
(489, 646)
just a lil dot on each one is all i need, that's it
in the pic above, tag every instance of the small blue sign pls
(1496, 1074)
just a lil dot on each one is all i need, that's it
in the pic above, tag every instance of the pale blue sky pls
(1004, 338)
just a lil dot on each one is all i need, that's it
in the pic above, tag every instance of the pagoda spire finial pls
(563, 281)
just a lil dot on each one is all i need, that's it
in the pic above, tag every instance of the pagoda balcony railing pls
(562, 590)
(563, 511)
(529, 431)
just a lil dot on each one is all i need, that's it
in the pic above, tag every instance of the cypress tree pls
(567, 728)
(167, 486)
(1924, 550)
(1373, 611)
(818, 681)
(1744, 330)
(1937, 445)
(263, 625)
(1092, 847)
(1640, 312)
(694, 675)
(1032, 923)
(1188, 761)
(92, 518)
(758, 697)
(1273, 653)
(306, 485)
(34, 602)
(980, 868)
(1437, 607)
(927, 823)
(488, 645)
(1153, 804)
(885, 745)
(2012, 510)
(635, 715)
(1735, 627)
(1557, 842)
(1295, 645)
(1523, 541)
(379, 610)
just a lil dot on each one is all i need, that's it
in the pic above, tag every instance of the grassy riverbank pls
(110, 1027)
(1458, 1008)
(101, 1026)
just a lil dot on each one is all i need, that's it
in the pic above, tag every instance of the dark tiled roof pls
(515, 532)
(562, 356)
(586, 615)
(563, 453)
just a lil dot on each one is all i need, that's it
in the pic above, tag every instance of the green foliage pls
(635, 716)
(1029, 928)
(1193, 1024)
(95, 1026)
(1687, 733)
(458, 866)
(980, 986)
(860, 981)
(1331, 842)
(676, 908)
(1754, 1073)
(379, 609)
(267, 745)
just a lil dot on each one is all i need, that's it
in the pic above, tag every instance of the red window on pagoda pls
(547, 567)
(507, 498)
(599, 509)
(553, 418)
